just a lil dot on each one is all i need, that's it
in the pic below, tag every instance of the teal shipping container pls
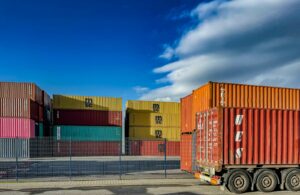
(87, 133)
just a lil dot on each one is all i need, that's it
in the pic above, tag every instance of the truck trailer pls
(248, 148)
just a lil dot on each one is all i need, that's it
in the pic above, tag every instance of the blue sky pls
(149, 49)
(88, 47)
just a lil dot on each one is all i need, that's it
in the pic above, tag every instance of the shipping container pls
(153, 148)
(87, 148)
(10, 148)
(169, 133)
(17, 128)
(87, 117)
(186, 152)
(152, 106)
(253, 143)
(187, 116)
(87, 133)
(21, 108)
(154, 119)
(215, 94)
(87, 103)
(21, 90)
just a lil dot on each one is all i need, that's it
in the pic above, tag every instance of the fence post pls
(165, 149)
(70, 156)
(120, 159)
(16, 151)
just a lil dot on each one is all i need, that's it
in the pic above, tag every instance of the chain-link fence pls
(51, 159)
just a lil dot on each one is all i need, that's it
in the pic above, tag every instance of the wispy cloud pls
(247, 41)
(139, 89)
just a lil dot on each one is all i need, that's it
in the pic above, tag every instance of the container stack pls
(214, 95)
(149, 123)
(22, 108)
(92, 124)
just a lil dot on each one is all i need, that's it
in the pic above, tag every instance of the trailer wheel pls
(238, 182)
(292, 181)
(266, 181)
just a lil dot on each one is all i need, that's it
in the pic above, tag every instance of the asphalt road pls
(179, 188)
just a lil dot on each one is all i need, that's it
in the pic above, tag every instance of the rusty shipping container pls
(21, 90)
(215, 94)
(187, 116)
(246, 136)
(87, 117)
(21, 108)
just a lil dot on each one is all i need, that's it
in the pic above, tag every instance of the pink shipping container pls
(16, 128)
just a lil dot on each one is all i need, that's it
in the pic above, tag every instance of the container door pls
(209, 136)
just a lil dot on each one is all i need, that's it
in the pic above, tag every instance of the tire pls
(238, 182)
(292, 181)
(266, 181)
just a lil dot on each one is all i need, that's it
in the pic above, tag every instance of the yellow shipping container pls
(154, 119)
(169, 133)
(152, 106)
(87, 102)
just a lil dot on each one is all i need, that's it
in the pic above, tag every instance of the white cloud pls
(139, 89)
(246, 41)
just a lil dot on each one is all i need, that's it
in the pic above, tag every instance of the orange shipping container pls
(187, 116)
(215, 94)
(246, 136)
(186, 152)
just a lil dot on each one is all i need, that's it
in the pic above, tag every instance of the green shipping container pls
(87, 133)
(41, 129)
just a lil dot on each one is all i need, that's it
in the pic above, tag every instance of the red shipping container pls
(17, 128)
(187, 116)
(246, 136)
(87, 117)
(153, 148)
(186, 152)
(21, 108)
(82, 148)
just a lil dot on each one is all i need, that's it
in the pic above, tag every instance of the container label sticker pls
(238, 153)
(238, 119)
(57, 114)
(238, 136)
(58, 133)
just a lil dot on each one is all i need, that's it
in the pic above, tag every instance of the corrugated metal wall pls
(187, 116)
(9, 148)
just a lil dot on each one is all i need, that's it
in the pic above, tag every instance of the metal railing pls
(51, 159)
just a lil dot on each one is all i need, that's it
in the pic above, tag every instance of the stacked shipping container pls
(148, 123)
(214, 94)
(87, 120)
(237, 126)
(22, 108)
